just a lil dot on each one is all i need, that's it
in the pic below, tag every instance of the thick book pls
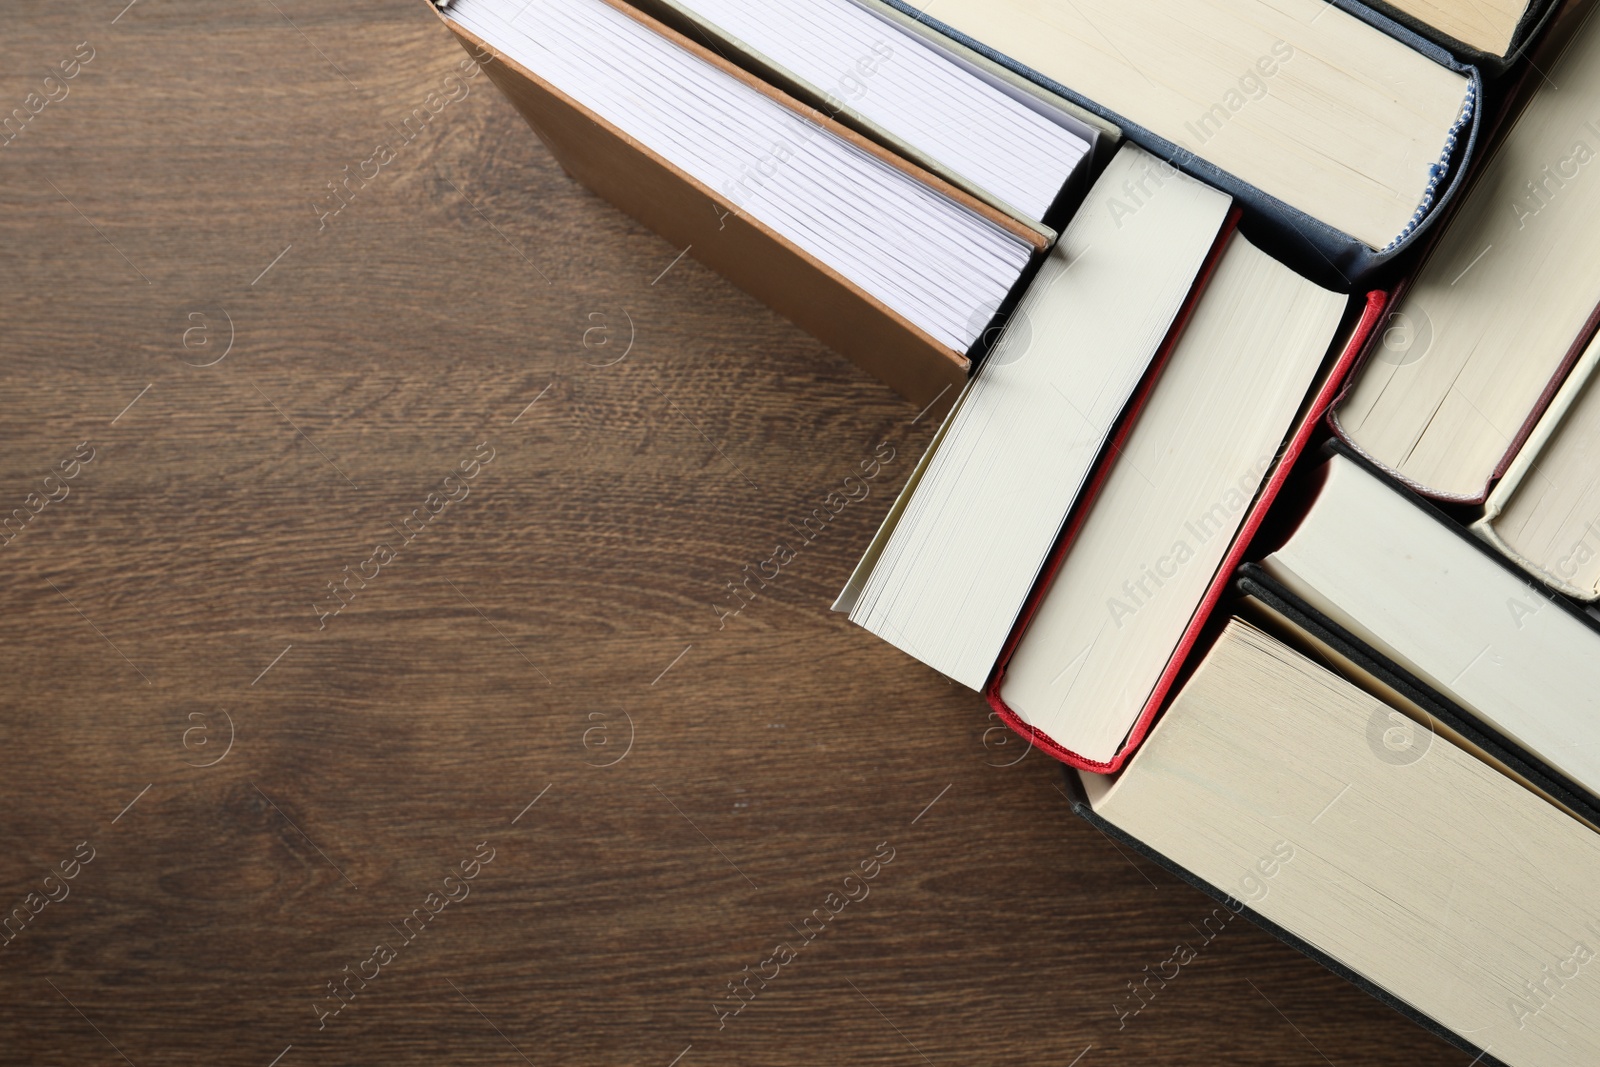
(1544, 515)
(1393, 855)
(889, 264)
(1382, 120)
(1180, 484)
(1506, 299)
(1427, 594)
(952, 564)
(1233, 528)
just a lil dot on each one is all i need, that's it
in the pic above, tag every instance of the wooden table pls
(404, 553)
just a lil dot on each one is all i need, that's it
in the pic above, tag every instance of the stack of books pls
(1267, 495)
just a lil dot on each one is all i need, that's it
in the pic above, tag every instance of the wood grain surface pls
(523, 449)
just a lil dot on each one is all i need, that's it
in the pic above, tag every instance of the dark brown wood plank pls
(565, 607)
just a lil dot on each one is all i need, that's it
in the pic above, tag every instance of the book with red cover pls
(1375, 342)
(1305, 428)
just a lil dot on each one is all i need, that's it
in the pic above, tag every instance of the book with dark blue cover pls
(1314, 247)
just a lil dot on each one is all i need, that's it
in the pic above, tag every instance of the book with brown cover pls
(711, 228)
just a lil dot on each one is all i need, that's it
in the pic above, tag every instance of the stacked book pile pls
(1267, 496)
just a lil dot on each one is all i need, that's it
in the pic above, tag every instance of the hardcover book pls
(887, 263)
(1456, 382)
(1234, 528)
(1383, 121)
